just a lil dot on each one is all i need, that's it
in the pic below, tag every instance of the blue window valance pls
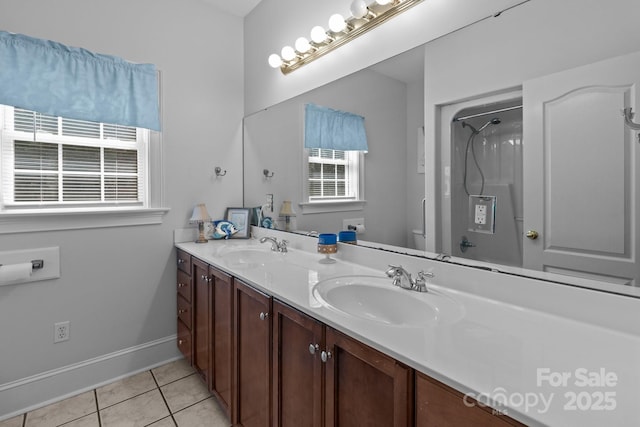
(332, 129)
(51, 78)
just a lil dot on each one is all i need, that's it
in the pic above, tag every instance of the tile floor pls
(167, 396)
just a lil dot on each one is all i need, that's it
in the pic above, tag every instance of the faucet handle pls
(283, 245)
(420, 284)
(393, 270)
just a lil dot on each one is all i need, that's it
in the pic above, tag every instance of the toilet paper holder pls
(35, 264)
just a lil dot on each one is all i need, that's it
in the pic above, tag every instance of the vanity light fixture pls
(365, 15)
(200, 216)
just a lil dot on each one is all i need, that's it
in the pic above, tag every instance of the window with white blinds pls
(52, 161)
(332, 175)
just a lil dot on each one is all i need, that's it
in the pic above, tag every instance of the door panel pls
(252, 394)
(297, 368)
(580, 171)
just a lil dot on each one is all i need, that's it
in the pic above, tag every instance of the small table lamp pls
(200, 215)
(287, 212)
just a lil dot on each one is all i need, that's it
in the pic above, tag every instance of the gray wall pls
(118, 284)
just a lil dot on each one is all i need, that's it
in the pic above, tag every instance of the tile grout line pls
(163, 398)
(95, 396)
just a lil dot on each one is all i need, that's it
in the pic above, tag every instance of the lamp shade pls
(286, 209)
(200, 214)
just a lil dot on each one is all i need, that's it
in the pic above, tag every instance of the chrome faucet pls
(402, 278)
(280, 246)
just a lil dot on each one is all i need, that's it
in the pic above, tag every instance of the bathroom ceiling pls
(236, 7)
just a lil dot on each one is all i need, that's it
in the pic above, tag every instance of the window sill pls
(29, 222)
(336, 206)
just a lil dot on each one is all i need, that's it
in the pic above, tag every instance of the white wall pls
(537, 38)
(274, 140)
(276, 23)
(118, 284)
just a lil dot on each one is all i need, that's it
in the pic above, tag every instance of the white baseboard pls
(27, 394)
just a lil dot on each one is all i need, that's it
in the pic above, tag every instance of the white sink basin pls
(251, 257)
(375, 298)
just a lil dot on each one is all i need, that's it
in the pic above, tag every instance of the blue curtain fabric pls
(332, 129)
(51, 78)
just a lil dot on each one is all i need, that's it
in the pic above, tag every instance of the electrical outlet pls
(352, 222)
(61, 331)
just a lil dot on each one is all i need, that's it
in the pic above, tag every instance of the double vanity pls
(283, 339)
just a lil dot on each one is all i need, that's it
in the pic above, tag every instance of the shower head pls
(494, 121)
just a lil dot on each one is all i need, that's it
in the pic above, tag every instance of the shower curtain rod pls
(501, 110)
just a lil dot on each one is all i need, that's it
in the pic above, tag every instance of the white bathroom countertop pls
(535, 365)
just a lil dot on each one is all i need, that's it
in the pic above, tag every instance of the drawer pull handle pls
(313, 348)
(264, 315)
(325, 355)
(182, 311)
(181, 285)
(180, 261)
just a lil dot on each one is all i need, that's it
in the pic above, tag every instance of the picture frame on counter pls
(240, 218)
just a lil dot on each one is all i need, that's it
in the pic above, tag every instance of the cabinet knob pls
(325, 355)
(180, 342)
(182, 311)
(313, 348)
(264, 315)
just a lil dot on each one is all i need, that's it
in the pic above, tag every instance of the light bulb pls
(302, 45)
(318, 34)
(336, 23)
(288, 53)
(274, 60)
(359, 9)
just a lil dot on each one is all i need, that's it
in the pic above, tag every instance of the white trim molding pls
(27, 394)
(23, 222)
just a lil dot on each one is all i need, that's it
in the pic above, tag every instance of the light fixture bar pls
(339, 39)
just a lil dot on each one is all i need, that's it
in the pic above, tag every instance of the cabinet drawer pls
(184, 285)
(184, 262)
(184, 311)
(185, 341)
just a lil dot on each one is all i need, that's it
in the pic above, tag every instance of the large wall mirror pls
(500, 145)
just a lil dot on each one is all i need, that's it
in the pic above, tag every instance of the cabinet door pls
(222, 342)
(440, 406)
(252, 404)
(297, 369)
(201, 319)
(364, 386)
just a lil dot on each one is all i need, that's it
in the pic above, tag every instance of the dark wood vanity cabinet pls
(201, 319)
(269, 364)
(184, 305)
(298, 371)
(213, 330)
(221, 361)
(438, 405)
(365, 387)
(322, 377)
(251, 404)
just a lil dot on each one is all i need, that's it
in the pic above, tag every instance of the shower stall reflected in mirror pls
(486, 216)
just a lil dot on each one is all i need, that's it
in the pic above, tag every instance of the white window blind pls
(58, 162)
(332, 175)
